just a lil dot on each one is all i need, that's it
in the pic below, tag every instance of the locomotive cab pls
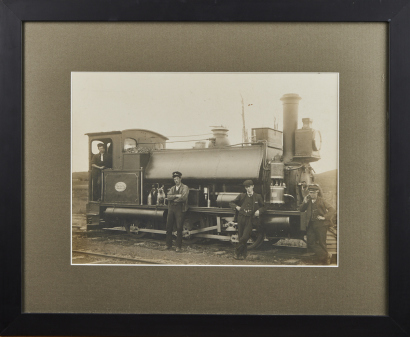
(121, 182)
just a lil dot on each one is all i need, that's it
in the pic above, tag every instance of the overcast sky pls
(184, 104)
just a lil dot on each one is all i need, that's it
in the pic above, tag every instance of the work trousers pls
(96, 177)
(316, 238)
(244, 233)
(175, 216)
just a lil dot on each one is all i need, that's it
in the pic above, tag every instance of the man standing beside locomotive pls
(319, 215)
(99, 162)
(249, 206)
(177, 207)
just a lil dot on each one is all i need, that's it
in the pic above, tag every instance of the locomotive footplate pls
(133, 206)
(208, 210)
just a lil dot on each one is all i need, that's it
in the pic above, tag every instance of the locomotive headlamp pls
(307, 142)
(317, 140)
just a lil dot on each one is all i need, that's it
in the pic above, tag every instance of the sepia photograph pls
(205, 169)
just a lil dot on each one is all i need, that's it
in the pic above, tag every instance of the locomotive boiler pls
(133, 192)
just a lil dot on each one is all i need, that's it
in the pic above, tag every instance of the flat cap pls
(176, 174)
(314, 187)
(247, 183)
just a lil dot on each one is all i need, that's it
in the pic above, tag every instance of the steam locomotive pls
(131, 197)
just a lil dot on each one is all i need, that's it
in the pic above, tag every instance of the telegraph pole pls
(244, 131)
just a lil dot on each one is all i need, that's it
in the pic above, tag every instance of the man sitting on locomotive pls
(99, 162)
(319, 215)
(177, 207)
(249, 206)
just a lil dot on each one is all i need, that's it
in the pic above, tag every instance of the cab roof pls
(120, 132)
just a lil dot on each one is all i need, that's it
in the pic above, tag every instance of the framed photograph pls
(132, 132)
(123, 180)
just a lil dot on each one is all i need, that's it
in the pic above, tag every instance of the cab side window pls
(130, 145)
(107, 143)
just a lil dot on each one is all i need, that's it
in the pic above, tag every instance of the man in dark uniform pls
(319, 215)
(99, 162)
(177, 207)
(249, 206)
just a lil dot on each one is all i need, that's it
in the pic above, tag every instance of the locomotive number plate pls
(120, 186)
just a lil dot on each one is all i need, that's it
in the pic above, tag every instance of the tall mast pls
(244, 131)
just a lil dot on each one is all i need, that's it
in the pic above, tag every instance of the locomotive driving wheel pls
(188, 226)
(132, 228)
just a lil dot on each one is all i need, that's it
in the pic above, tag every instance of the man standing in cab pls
(319, 215)
(249, 206)
(99, 162)
(177, 207)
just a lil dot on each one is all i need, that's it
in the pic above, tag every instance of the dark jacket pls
(184, 191)
(323, 208)
(258, 205)
(107, 162)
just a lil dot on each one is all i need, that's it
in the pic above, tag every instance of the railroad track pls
(148, 261)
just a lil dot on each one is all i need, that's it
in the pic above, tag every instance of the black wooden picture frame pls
(13, 13)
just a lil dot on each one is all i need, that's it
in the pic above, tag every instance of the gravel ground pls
(149, 250)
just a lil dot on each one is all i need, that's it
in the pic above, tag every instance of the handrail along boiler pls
(277, 162)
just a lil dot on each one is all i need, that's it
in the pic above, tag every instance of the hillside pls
(80, 176)
(328, 182)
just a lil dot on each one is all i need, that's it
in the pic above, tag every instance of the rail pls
(119, 257)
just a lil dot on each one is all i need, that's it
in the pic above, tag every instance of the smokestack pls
(290, 124)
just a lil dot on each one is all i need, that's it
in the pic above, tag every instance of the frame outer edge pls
(399, 194)
(11, 167)
(11, 185)
(203, 325)
(206, 10)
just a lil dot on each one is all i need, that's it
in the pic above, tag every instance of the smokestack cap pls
(220, 128)
(290, 98)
